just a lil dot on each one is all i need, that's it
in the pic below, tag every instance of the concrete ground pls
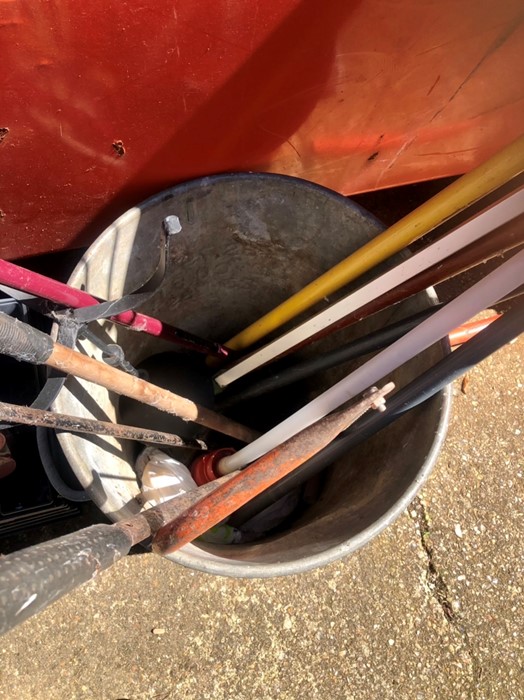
(432, 608)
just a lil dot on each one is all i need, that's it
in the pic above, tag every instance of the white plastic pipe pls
(462, 236)
(480, 296)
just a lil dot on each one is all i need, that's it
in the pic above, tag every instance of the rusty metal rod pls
(21, 341)
(11, 413)
(140, 527)
(260, 475)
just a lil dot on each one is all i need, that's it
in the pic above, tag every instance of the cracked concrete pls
(438, 588)
(476, 528)
(435, 583)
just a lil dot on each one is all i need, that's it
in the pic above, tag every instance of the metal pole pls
(74, 424)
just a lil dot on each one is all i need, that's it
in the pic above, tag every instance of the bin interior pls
(247, 242)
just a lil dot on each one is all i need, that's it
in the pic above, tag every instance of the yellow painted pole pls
(499, 169)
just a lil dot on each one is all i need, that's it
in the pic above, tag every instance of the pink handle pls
(34, 283)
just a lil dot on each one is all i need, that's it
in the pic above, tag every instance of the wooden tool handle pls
(21, 341)
(72, 362)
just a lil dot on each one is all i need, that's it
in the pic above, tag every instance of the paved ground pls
(431, 609)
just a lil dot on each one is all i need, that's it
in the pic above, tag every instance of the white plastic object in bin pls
(163, 477)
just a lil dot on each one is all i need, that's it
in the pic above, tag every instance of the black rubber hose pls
(33, 578)
(245, 389)
(488, 341)
(372, 342)
(23, 342)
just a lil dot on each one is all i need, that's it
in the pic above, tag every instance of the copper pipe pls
(468, 330)
(257, 477)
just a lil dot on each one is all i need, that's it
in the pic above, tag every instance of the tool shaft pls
(496, 171)
(35, 577)
(245, 485)
(74, 424)
(47, 288)
(19, 340)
